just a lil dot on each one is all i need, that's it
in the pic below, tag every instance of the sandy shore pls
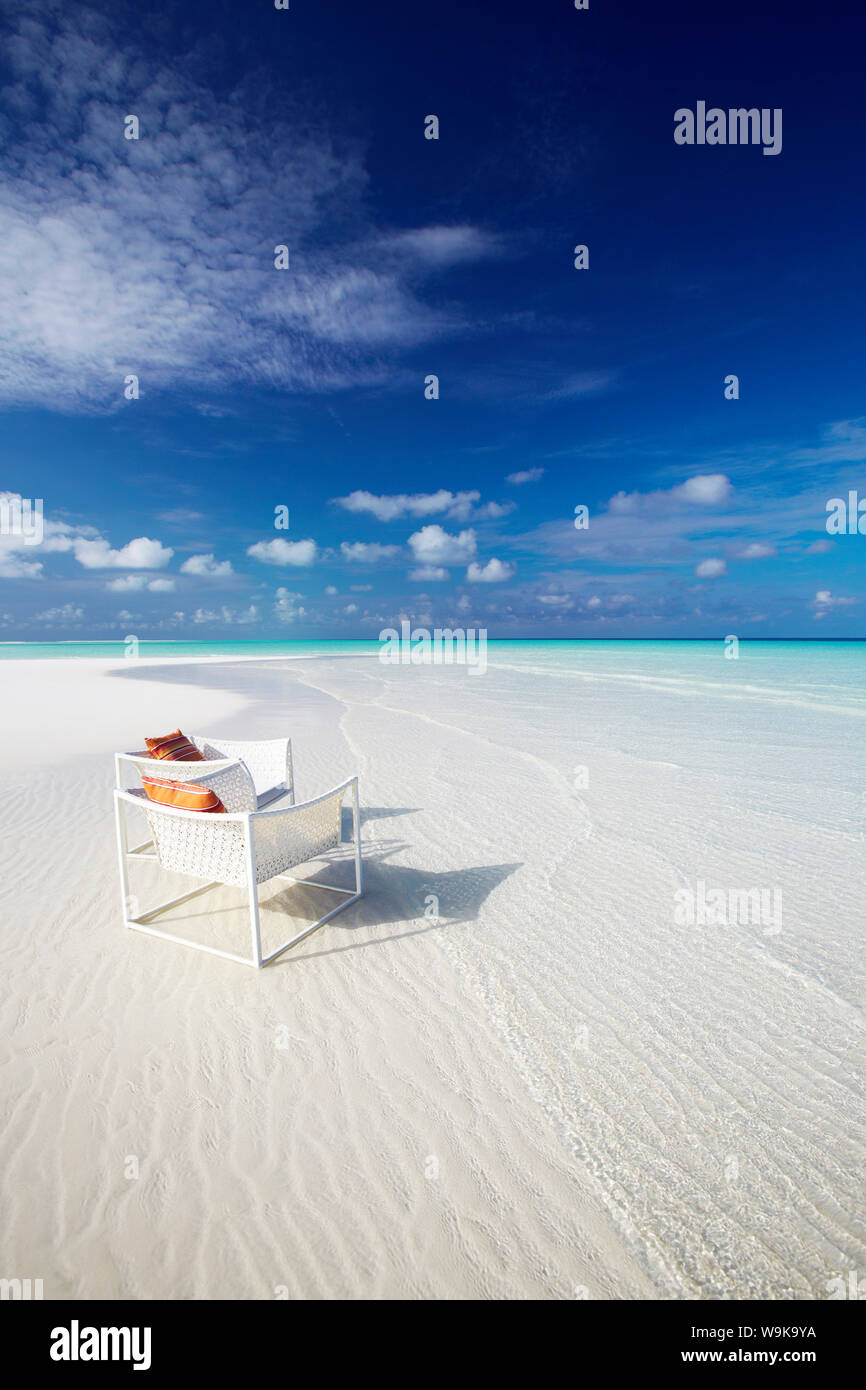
(550, 1092)
(389, 1151)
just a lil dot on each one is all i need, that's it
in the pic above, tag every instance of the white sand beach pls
(555, 1090)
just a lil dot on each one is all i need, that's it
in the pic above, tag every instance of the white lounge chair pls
(268, 760)
(244, 847)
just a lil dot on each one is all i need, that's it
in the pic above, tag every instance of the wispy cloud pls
(155, 256)
(368, 553)
(525, 475)
(395, 505)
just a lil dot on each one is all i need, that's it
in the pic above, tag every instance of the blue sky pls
(305, 388)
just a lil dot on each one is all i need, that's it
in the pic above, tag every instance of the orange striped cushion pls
(175, 748)
(187, 796)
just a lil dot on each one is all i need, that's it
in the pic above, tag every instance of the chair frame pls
(124, 798)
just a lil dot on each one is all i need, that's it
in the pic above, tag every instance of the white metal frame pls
(247, 819)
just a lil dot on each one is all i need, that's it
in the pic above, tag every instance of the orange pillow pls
(186, 796)
(175, 748)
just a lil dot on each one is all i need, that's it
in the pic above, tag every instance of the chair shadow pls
(382, 812)
(433, 898)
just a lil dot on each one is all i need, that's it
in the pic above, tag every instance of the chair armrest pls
(287, 836)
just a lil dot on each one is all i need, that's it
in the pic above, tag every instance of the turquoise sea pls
(814, 671)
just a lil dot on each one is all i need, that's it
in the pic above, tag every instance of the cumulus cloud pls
(60, 617)
(434, 546)
(130, 582)
(298, 554)
(225, 615)
(525, 475)
(710, 569)
(433, 573)
(494, 572)
(18, 533)
(287, 607)
(368, 553)
(207, 567)
(704, 489)
(825, 600)
(139, 554)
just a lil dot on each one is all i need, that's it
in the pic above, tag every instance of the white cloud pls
(226, 615)
(391, 507)
(282, 552)
(756, 551)
(431, 573)
(139, 554)
(556, 600)
(368, 553)
(130, 582)
(207, 567)
(494, 572)
(59, 617)
(443, 246)
(360, 588)
(351, 608)
(825, 600)
(14, 566)
(710, 569)
(493, 510)
(17, 553)
(433, 546)
(704, 489)
(156, 256)
(525, 475)
(331, 591)
(286, 606)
